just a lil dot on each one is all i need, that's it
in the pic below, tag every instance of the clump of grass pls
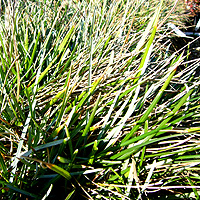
(92, 106)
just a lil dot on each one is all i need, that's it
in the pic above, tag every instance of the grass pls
(93, 103)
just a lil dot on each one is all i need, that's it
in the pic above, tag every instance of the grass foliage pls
(93, 104)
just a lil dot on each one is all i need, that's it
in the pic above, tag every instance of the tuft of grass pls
(92, 103)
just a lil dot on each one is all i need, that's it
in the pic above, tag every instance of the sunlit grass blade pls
(194, 189)
(149, 45)
(70, 194)
(60, 94)
(34, 51)
(62, 46)
(42, 75)
(91, 156)
(59, 170)
(48, 192)
(153, 104)
(115, 132)
(153, 22)
(128, 152)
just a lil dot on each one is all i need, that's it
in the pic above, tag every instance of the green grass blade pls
(34, 51)
(128, 152)
(2, 164)
(70, 141)
(91, 156)
(62, 46)
(44, 146)
(14, 188)
(4, 50)
(70, 194)
(194, 189)
(115, 132)
(87, 128)
(153, 104)
(59, 170)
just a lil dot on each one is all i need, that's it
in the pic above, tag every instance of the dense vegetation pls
(94, 102)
